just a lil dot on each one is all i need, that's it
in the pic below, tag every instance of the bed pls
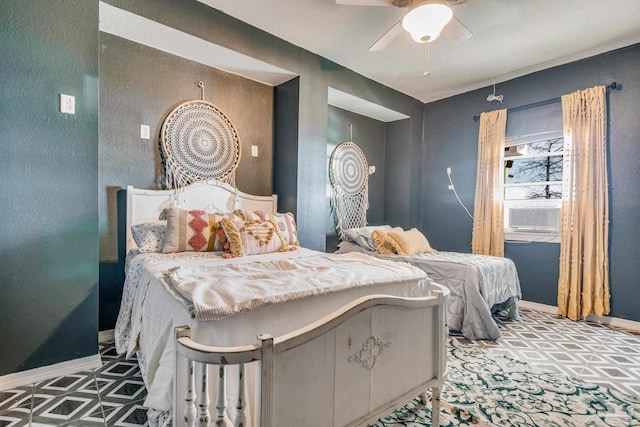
(480, 285)
(277, 293)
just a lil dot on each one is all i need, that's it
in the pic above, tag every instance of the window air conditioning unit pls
(534, 218)
(515, 150)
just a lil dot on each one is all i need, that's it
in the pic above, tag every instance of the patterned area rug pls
(485, 389)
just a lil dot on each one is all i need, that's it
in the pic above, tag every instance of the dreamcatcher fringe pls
(349, 210)
(174, 178)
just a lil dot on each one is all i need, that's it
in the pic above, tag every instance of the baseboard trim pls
(35, 375)
(537, 306)
(603, 320)
(105, 336)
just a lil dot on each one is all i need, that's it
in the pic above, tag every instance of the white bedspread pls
(287, 290)
(216, 292)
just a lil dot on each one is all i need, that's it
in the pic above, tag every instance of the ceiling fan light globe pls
(425, 21)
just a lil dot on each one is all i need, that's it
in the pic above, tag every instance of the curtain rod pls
(613, 85)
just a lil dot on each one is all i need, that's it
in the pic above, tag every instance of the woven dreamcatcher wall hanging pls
(198, 142)
(349, 176)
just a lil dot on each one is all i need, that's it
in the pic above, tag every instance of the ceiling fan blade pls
(456, 31)
(365, 2)
(387, 37)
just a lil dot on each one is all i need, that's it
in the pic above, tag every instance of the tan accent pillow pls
(253, 237)
(193, 231)
(285, 222)
(411, 242)
(382, 242)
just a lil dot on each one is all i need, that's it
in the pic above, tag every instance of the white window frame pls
(512, 234)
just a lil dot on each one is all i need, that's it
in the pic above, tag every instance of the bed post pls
(189, 400)
(440, 356)
(190, 412)
(266, 387)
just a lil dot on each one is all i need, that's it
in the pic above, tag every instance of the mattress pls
(152, 307)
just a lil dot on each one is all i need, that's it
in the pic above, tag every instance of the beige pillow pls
(193, 231)
(253, 237)
(285, 222)
(381, 239)
(411, 242)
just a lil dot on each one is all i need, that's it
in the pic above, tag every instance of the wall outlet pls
(67, 104)
(145, 132)
(254, 150)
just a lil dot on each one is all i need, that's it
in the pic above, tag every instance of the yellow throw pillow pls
(381, 239)
(411, 242)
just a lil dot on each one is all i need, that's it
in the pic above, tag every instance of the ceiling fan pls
(425, 20)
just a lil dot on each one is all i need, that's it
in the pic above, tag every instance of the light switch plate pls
(145, 132)
(254, 150)
(372, 170)
(67, 104)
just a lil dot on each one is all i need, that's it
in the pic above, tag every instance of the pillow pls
(193, 231)
(149, 236)
(253, 237)
(410, 242)
(285, 222)
(362, 236)
(382, 242)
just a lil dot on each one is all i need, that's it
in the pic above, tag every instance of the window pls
(533, 186)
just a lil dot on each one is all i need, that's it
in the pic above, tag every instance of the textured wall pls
(141, 85)
(48, 220)
(370, 135)
(451, 140)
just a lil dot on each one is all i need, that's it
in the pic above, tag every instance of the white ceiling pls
(511, 38)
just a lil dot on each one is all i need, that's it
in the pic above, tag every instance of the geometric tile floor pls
(109, 396)
(113, 395)
(599, 354)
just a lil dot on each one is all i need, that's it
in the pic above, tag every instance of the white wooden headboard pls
(212, 196)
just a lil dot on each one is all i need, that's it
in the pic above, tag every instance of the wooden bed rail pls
(269, 349)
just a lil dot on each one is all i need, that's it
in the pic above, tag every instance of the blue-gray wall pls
(48, 220)
(451, 140)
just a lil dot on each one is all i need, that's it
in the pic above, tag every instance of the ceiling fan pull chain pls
(427, 73)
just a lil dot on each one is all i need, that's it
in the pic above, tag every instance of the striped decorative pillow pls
(287, 225)
(193, 231)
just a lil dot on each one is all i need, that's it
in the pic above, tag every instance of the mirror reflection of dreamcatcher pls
(349, 175)
(198, 142)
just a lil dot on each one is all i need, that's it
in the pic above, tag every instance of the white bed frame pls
(363, 361)
(358, 364)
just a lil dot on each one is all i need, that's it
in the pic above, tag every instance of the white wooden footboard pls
(350, 368)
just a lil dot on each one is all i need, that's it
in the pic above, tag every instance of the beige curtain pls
(488, 222)
(583, 286)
